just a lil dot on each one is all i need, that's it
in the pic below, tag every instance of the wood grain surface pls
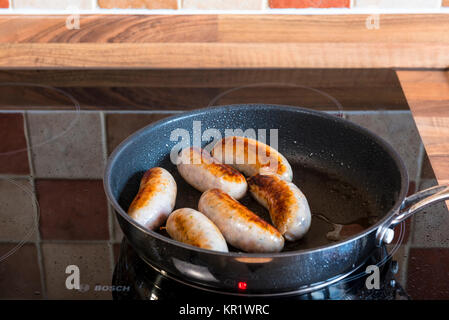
(224, 28)
(220, 55)
(109, 29)
(337, 28)
(225, 41)
(427, 93)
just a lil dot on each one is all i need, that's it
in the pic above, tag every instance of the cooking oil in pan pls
(339, 209)
(337, 206)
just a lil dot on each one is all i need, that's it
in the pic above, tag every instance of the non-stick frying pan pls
(349, 175)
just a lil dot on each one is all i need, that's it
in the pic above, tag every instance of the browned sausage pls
(155, 199)
(241, 227)
(192, 227)
(203, 172)
(287, 205)
(251, 156)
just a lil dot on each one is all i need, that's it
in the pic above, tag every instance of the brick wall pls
(261, 5)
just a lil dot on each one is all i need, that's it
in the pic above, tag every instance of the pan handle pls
(410, 206)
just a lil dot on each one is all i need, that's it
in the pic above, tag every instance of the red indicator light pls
(242, 285)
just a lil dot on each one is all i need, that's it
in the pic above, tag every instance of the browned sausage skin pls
(251, 157)
(204, 172)
(155, 199)
(287, 205)
(241, 227)
(194, 228)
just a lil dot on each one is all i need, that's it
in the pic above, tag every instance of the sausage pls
(155, 200)
(288, 207)
(251, 157)
(194, 228)
(241, 227)
(203, 172)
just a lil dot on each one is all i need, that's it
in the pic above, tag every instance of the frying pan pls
(349, 175)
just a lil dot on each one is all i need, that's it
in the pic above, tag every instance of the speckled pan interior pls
(346, 173)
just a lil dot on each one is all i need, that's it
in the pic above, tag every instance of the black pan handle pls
(410, 206)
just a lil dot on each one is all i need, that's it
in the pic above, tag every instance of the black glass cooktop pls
(138, 280)
(100, 108)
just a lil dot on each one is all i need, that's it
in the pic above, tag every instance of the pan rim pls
(373, 136)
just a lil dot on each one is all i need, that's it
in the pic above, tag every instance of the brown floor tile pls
(121, 125)
(19, 273)
(93, 261)
(17, 210)
(13, 146)
(66, 145)
(72, 209)
(428, 274)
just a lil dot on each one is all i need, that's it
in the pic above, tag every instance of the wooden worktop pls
(427, 93)
(225, 41)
